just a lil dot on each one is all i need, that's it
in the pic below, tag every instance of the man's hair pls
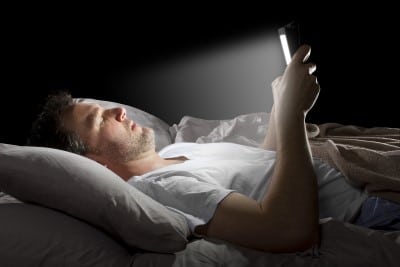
(48, 129)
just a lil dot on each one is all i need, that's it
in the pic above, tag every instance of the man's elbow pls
(297, 240)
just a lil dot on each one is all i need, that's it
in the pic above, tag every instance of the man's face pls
(109, 133)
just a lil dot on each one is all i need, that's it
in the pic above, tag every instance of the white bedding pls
(248, 129)
(342, 244)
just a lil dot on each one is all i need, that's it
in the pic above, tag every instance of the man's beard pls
(139, 144)
(130, 147)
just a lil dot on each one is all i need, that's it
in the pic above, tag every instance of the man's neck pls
(146, 163)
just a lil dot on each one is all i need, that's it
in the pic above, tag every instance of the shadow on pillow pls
(87, 190)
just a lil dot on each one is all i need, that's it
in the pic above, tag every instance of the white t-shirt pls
(196, 186)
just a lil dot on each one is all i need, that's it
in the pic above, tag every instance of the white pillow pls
(87, 190)
(32, 235)
(160, 127)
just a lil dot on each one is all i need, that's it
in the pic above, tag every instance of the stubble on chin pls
(149, 138)
(141, 143)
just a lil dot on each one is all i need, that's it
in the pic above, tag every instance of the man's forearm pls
(292, 197)
(269, 142)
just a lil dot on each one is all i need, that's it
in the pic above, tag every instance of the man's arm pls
(269, 142)
(286, 220)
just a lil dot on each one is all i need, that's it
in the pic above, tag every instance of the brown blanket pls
(368, 157)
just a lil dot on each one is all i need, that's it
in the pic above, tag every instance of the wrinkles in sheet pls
(342, 244)
(247, 129)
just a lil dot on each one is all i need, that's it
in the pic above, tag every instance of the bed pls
(61, 209)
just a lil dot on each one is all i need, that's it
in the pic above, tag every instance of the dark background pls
(81, 50)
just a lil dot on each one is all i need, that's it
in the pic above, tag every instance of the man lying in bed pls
(265, 199)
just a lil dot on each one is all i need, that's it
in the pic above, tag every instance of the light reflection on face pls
(109, 132)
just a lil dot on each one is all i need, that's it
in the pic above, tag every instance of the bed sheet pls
(247, 129)
(342, 244)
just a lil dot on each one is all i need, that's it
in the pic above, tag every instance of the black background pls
(80, 48)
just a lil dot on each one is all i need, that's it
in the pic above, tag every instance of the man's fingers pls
(302, 54)
(311, 67)
(314, 79)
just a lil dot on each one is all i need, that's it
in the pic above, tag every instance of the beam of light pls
(218, 81)
(285, 47)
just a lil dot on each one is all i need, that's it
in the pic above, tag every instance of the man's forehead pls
(79, 113)
(84, 107)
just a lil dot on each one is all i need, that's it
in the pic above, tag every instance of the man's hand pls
(296, 91)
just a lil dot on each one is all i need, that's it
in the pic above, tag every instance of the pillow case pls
(160, 127)
(89, 191)
(37, 236)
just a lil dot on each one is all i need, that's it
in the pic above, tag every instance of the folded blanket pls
(368, 157)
